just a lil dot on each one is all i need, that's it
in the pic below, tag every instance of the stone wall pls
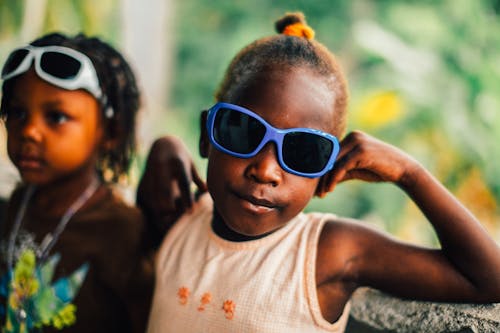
(375, 312)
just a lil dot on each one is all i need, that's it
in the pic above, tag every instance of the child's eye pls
(56, 117)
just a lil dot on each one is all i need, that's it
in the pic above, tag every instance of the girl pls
(73, 253)
(250, 260)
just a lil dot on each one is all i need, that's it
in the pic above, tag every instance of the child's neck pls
(54, 199)
(221, 229)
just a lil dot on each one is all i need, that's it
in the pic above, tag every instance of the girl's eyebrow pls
(52, 103)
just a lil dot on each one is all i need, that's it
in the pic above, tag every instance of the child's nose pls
(264, 167)
(31, 129)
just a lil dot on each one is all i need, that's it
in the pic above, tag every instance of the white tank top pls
(207, 284)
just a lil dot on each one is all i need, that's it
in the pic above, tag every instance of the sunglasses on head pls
(240, 132)
(61, 66)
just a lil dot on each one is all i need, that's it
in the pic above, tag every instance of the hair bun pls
(294, 24)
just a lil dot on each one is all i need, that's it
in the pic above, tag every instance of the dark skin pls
(254, 197)
(54, 138)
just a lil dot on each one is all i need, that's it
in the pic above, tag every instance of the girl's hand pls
(365, 158)
(164, 191)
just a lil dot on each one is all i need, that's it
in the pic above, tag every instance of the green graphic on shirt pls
(32, 301)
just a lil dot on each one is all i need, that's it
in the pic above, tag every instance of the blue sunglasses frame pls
(273, 134)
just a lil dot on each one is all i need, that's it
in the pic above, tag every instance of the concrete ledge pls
(374, 311)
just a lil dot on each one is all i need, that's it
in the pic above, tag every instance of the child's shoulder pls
(111, 209)
(348, 233)
(335, 227)
(348, 246)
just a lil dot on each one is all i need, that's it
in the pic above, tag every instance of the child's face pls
(255, 196)
(52, 133)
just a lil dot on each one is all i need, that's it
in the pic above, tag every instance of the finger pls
(145, 194)
(349, 149)
(322, 190)
(200, 183)
(328, 182)
(350, 161)
(349, 143)
(335, 179)
(164, 191)
(141, 192)
(323, 185)
(186, 197)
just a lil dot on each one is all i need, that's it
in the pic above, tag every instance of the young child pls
(73, 255)
(251, 260)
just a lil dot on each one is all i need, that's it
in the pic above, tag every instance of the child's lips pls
(257, 205)
(28, 162)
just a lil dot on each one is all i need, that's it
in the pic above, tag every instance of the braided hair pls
(293, 47)
(118, 83)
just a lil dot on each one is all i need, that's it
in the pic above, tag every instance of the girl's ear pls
(204, 143)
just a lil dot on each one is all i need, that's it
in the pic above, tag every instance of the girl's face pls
(255, 196)
(53, 133)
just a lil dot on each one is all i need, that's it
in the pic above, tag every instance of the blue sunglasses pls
(240, 132)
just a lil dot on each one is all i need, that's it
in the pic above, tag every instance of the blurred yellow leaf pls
(475, 194)
(379, 110)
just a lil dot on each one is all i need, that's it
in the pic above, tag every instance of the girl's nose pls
(31, 129)
(264, 167)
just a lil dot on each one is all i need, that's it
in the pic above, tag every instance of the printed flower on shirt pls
(183, 294)
(206, 298)
(229, 307)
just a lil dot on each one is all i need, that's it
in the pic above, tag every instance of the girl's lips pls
(257, 205)
(29, 163)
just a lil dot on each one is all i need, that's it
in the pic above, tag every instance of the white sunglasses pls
(61, 66)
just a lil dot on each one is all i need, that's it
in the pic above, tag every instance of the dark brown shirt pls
(109, 235)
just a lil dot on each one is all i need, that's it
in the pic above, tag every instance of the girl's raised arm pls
(466, 268)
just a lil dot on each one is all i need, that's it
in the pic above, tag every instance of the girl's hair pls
(293, 47)
(118, 84)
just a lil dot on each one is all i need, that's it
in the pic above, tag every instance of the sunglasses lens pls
(14, 60)
(306, 152)
(60, 65)
(237, 131)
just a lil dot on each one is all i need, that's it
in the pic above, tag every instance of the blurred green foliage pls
(10, 16)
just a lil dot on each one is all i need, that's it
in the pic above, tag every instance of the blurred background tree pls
(423, 75)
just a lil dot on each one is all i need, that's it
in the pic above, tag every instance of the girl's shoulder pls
(343, 240)
(108, 210)
(109, 221)
(346, 247)
(345, 229)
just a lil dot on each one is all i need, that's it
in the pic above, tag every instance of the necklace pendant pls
(21, 315)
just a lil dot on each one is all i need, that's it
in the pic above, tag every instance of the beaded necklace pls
(51, 238)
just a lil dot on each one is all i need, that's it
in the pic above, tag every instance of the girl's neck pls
(221, 229)
(54, 199)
